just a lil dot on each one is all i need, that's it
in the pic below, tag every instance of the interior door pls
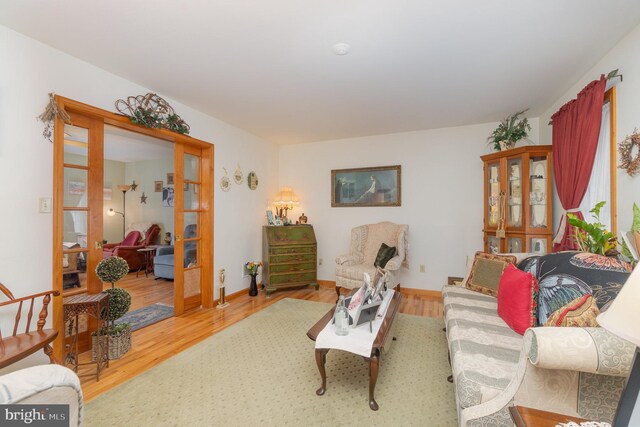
(193, 221)
(77, 208)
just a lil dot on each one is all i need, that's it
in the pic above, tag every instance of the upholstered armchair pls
(365, 243)
(128, 248)
(163, 263)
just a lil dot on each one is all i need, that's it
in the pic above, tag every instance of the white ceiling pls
(267, 66)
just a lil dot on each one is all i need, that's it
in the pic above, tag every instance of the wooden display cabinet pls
(518, 200)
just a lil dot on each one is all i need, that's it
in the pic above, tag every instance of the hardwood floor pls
(158, 342)
(146, 290)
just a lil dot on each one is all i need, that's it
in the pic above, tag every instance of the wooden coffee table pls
(373, 359)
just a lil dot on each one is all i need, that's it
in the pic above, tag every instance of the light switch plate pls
(44, 204)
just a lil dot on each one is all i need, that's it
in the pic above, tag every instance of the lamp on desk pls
(285, 201)
(111, 212)
(623, 319)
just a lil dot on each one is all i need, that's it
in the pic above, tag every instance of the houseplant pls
(252, 267)
(594, 237)
(111, 270)
(509, 131)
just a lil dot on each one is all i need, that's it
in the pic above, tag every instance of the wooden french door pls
(193, 215)
(78, 209)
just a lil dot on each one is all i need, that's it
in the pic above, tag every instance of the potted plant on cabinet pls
(111, 270)
(509, 131)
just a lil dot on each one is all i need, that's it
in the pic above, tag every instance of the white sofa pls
(42, 385)
(573, 371)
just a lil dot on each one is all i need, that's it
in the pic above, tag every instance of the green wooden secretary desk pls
(289, 257)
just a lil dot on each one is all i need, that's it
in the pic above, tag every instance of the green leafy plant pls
(594, 237)
(509, 131)
(112, 269)
(114, 331)
(119, 303)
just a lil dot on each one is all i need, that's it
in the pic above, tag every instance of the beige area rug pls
(262, 371)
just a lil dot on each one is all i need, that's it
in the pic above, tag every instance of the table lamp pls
(285, 201)
(623, 319)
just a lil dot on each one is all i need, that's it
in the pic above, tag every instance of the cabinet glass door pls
(514, 193)
(493, 193)
(493, 245)
(538, 176)
(515, 245)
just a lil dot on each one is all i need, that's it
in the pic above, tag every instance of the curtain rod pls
(612, 75)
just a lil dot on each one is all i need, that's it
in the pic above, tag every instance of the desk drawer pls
(293, 250)
(283, 259)
(279, 279)
(292, 268)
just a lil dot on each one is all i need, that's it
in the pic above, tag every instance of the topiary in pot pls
(112, 269)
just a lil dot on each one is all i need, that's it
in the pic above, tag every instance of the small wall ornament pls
(143, 199)
(152, 111)
(252, 180)
(629, 150)
(238, 175)
(51, 111)
(225, 182)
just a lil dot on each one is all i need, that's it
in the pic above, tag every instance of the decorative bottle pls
(341, 318)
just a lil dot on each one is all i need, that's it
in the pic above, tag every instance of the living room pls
(438, 143)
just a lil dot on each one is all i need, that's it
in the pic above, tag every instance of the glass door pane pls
(188, 194)
(515, 245)
(493, 245)
(538, 193)
(493, 192)
(514, 193)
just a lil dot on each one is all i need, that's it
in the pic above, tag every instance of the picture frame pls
(107, 193)
(158, 185)
(170, 178)
(270, 220)
(168, 200)
(366, 187)
(77, 188)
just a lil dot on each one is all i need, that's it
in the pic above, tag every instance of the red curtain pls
(576, 127)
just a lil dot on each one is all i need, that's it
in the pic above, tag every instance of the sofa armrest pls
(345, 260)
(164, 250)
(110, 245)
(394, 263)
(129, 248)
(592, 350)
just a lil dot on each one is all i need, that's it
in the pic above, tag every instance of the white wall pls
(28, 71)
(442, 192)
(145, 173)
(626, 57)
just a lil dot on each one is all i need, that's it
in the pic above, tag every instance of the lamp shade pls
(286, 197)
(623, 316)
(111, 212)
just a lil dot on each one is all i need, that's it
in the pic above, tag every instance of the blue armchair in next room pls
(163, 263)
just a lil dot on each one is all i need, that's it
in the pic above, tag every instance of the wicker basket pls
(118, 344)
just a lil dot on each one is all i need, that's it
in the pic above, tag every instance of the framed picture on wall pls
(170, 178)
(158, 186)
(107, 193)
(77, 188)
(167, 197)
(372, 186)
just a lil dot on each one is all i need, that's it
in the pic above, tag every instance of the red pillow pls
(518, 299)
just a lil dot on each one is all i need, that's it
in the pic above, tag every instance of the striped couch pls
(574, 371)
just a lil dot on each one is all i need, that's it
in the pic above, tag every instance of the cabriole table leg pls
(321, 358)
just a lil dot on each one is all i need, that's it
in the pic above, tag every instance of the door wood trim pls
(86, 115)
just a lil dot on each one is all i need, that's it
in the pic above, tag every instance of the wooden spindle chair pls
(17, 346)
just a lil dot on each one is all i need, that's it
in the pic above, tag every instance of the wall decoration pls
(238, 175)
(143, 199)
(152, 111)
(107, 193)
(76, 188)
(374, 186)
(134, 185)
(252, 180)
(170, 179)
(51, 111)
(158, 186)
(167, 197)
(629, 150)
(225, 182)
